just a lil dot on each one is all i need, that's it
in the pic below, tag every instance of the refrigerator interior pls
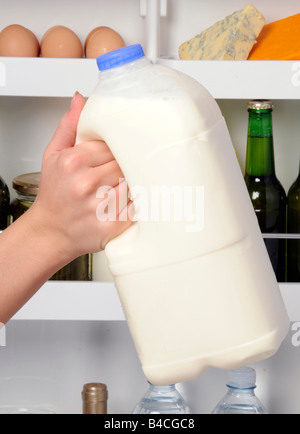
(44, 362)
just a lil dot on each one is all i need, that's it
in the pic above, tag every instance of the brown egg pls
(17, 41)
(60, 41)
(101, 41)
(91, 34)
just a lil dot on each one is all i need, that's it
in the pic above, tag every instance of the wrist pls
(43, 232)
(30, 255)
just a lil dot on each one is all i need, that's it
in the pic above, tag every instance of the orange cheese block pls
(279, 40)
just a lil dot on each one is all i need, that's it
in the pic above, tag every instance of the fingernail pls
(74, 98)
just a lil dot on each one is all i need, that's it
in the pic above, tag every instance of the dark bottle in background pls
(4, 204)
(293, 227)
(266, 192)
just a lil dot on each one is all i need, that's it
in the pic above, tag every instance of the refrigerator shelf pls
(224, 79)
(47, 77)
(227, 79)
(78, 301)
(99, 301)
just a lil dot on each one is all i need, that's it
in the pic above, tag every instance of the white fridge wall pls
(26, 126)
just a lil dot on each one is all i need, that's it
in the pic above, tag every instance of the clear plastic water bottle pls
(162, 400)
(240, 397)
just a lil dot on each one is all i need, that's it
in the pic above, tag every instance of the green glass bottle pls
(4, 204)
(267, 194)
(293, 227)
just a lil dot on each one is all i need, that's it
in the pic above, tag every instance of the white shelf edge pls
(99, 301)
(47, 77)
(80, 301)
(224, 79)
(227, 79)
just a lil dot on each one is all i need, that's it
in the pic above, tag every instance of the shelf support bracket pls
(153, 10)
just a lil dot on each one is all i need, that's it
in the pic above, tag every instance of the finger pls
(65, 134)
(94, 153)
(122, 200)
(108, 174)
(113, 202)
(127, 213)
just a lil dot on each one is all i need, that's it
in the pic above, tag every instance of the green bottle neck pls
(260, 149)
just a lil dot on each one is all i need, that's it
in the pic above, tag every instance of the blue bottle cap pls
(119, 57)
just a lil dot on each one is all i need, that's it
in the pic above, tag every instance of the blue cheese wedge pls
(228, 39)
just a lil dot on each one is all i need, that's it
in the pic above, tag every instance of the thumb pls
(65, 134)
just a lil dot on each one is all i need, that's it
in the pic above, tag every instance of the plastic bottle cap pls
(120, 57)
(242, 378)
(162, 388)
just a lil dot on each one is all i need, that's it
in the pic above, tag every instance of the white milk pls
(198, 291)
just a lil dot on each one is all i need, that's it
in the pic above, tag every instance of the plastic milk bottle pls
(192, 272)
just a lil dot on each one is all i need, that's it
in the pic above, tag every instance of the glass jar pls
(27, 187)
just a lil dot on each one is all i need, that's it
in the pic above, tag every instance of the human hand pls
(66, 203)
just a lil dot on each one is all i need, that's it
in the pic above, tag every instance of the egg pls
(101, 40)
(60, 41)
(91, 34)
(17, 41)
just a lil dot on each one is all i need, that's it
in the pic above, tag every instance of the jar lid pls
(260, 104)
(27, 184)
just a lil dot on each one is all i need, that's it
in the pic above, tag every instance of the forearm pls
(62, 223)
(29, 256)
